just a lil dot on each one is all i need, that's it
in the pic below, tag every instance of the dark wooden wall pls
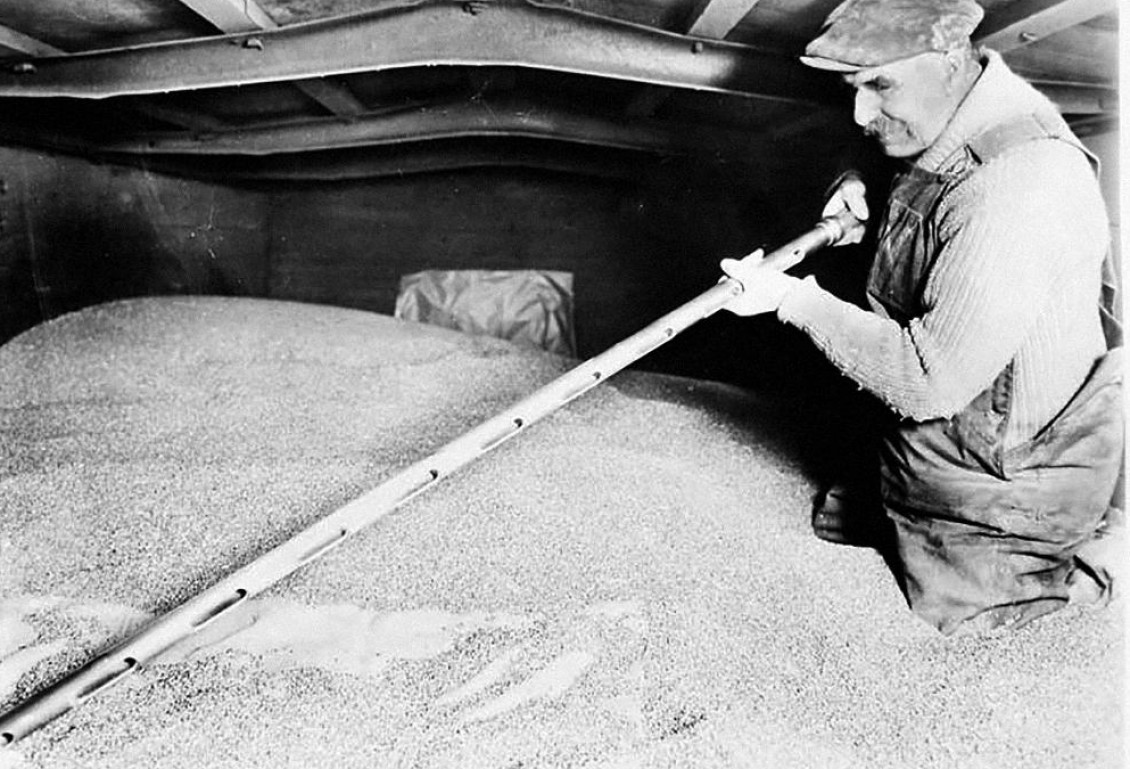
(75, 233)
(636, 248)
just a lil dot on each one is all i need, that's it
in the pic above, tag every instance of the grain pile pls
(632, 583)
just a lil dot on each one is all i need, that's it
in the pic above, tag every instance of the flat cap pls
(868, 33)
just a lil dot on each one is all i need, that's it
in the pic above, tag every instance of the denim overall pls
(987, 537)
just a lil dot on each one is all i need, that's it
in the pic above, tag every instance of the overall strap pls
(1030, 127)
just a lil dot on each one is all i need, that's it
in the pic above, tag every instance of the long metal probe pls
(329, 532)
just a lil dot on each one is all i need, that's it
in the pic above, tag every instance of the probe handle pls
(827, 232)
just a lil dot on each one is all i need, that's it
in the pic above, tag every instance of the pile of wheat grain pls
(631, 583)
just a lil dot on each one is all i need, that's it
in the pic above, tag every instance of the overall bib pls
(987, 536)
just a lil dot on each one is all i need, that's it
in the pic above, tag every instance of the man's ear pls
(954, 62)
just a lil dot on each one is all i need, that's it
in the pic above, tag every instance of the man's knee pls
(1101, 562)
(960, 577)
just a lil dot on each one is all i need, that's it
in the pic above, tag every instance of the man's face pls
(905, 104)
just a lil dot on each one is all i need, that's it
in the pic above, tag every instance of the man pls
(984, 338)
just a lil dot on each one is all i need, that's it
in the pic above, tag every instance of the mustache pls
(880, 126)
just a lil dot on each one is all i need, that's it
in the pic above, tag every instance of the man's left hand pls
(764, 287)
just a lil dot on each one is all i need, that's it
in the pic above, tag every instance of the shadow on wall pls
(77, 234)
(88, 261)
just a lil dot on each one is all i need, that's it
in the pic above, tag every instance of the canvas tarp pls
(532, 308)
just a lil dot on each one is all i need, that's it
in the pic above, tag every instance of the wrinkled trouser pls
(986, 543)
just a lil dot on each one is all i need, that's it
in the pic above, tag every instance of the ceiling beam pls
(1023, 23)
(334, 97)
(458, 119)
(13, 43)
(24, 45)
(428, 33)
(712, 19)
(716, 19)
(397, 159)
(422, 157)
(430, 157)
(234, 16)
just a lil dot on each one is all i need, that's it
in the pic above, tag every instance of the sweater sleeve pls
(1008, 235)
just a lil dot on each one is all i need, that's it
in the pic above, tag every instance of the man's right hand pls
(850, 193)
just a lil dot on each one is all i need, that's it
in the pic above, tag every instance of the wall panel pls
(636, 248)
(76, 233)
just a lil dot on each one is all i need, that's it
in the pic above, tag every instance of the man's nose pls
(866, 107)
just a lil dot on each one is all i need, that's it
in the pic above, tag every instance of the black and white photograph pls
(562, 384)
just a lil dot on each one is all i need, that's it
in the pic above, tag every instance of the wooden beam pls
(427, 157)
(233, 16)
(18, 44)
(1023, 23)
(712, 19)
(24, 45)
(451, 133)
(716, 19)
(455, 120)
(336, 98)
(427, 33)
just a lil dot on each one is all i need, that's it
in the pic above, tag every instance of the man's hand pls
(764, 287)
(850, 194)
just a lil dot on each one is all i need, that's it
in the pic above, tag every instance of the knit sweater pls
(1017, 279)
